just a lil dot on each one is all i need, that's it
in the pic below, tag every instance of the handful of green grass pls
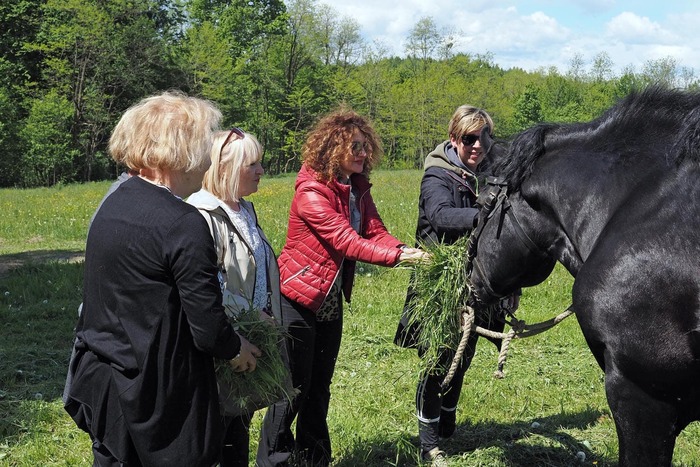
(270, 382)
(440, 290)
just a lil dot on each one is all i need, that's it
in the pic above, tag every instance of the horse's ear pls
(485, 139)
(486, 133)
(489, 146)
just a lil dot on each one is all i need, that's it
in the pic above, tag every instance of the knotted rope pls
(519, 329)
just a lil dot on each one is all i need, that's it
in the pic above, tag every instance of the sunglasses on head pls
(235, 131)
(469, 140)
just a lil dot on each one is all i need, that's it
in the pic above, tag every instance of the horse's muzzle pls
(481, 291)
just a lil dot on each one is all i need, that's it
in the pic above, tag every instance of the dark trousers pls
(313, 350)
(236, 441)
(434, 404)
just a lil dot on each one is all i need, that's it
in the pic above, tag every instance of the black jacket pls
(143, 380)
(446, 212)
(448, 193)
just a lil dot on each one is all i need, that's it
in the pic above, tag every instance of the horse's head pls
(506, 248)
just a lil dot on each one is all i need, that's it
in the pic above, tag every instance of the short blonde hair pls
(165, 131)
(468, 119)
(223, 177)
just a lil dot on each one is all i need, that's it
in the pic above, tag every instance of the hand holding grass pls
(259, 376)
(246, 360)
(412, 255)
(439, 292)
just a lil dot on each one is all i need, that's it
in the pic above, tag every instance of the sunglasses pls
(469, 140)
(357, 147)
(235, 131)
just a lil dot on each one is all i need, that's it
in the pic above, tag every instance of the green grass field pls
(550, 406)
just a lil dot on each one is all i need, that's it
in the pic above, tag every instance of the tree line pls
(69, 69)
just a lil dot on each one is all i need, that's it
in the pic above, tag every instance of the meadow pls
(548, 409)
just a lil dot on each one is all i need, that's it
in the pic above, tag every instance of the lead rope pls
(519, 329)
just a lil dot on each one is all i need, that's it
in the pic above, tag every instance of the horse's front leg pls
(646, 427)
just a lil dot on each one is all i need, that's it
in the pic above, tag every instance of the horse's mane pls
(654, 117)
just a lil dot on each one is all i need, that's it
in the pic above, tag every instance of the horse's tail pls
(687, 145)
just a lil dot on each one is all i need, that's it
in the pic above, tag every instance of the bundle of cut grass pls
(440, 290)
(270, 382)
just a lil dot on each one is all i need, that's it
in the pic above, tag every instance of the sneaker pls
(435, 458)
(448, 424)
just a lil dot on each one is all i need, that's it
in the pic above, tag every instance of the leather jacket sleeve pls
(317, 210)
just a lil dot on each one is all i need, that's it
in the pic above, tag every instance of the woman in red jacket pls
(333, 223)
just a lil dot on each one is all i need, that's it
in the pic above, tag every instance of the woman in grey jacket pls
(248, 267)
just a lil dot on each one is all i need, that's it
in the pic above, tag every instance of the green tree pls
(10, 146)
(210, 66)
(49, 154)
(602, 68)
(19, 23)
(528, 109)
(102, 56)
(662, 72)
(423, 39)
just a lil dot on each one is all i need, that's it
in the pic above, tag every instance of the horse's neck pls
(582, 204)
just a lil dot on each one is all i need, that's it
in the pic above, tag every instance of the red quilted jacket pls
(320, 239)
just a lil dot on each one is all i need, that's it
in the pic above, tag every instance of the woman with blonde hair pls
(333, 223)
(446, 212)
(247, 264)
(142, 381)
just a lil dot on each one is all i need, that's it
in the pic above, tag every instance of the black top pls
(152, 312)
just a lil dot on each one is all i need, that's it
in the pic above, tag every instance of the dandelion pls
(7, 293)
(45, 302)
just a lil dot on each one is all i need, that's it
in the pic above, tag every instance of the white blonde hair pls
(166, 131)
(223, 177)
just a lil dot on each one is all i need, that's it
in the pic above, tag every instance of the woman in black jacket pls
(142, 379)
(446, 212)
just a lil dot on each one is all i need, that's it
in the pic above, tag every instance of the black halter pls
(489, 200)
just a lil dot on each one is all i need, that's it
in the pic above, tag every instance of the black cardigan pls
(151, 321)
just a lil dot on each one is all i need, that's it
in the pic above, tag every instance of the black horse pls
(617, 202)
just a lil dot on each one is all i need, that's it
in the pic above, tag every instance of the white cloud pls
(541, 33)
(507, 30)
(630, 28)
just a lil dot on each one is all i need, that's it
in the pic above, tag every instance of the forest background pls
(69, 69)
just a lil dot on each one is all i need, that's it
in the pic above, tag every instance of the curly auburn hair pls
(330, 141)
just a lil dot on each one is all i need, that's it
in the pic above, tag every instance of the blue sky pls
(542, 33)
